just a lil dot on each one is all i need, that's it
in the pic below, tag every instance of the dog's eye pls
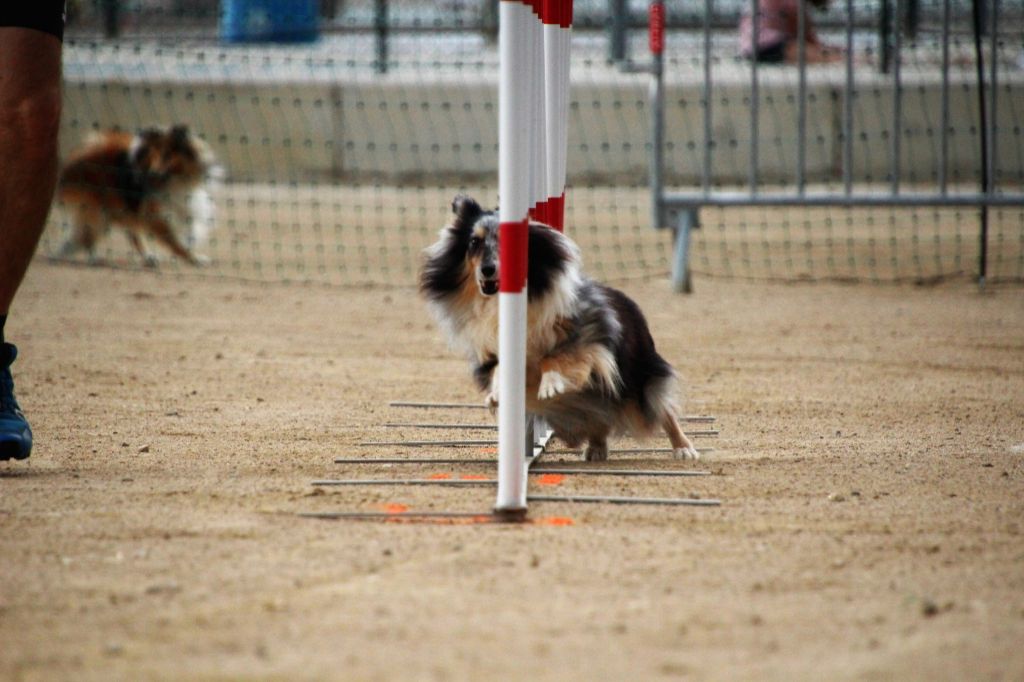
(474, 242)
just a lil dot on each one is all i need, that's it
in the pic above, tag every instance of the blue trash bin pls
(269, 21)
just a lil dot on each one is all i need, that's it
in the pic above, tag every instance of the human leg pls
(30, 71)
(771, 54)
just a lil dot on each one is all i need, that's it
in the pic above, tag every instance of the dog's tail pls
(661, 398)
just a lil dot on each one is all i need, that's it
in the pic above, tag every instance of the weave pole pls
(556, 16)
(531, 168)
(514, 114)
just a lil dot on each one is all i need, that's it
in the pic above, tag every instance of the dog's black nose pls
(487, 270)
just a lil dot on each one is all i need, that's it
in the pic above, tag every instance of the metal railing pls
(679, 210)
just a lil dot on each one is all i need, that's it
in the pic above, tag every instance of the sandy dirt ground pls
(870, 467)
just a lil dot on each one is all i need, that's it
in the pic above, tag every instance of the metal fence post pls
(111, 18)
(657, 100)
(911, 18)
(884, 29)
(489, 20)
(380, 24)
(618, 14)
(688, 219)
(977, 16)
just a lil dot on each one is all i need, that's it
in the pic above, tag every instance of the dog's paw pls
(596, 453)
(201, 261)
(689, 453)
(151, 261)
(67, 249)
(551, 384)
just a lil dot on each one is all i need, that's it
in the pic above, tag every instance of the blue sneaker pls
(15, 434)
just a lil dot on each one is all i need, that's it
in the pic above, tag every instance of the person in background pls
(778, 39)
(31, 35)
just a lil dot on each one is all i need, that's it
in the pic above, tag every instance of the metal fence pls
(925, 154)
(340, 174)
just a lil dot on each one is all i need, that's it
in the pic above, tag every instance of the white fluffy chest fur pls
(471, 323)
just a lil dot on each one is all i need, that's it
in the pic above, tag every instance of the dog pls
(591, 365)
(145, 183)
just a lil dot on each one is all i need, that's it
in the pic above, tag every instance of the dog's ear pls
(179, 136)
(147, 139)
(466, 210)
(150, 136)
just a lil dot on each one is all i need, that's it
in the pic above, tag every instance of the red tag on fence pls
(656, 26)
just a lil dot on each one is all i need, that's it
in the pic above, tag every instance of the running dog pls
(139, 182)
(592, 369)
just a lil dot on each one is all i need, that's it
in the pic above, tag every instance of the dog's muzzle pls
(488, 279)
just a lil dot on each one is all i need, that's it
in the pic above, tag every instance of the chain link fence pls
(341, 155)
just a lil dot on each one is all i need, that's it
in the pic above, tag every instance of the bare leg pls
(30, 68)
(682, 447)
(30, 72)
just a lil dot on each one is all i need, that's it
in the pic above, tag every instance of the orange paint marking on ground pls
(550, 479)
(488, 451)
(473, 477)
(439, 477)
(395, 508)
(554, 521)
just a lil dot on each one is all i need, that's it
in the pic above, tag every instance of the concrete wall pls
(415, 125)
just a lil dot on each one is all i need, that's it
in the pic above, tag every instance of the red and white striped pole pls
(557, 18)
(538, 116)
(515, 112)
(533, 108)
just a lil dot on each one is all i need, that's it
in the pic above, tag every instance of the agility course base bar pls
(469, 427)
(494, 427)
(609, 499)
(456, 482)
(492, 517)
(413, 460)
(539, 434)
(456, 460)
(690, 418)
(426, 443)
(631, 451)
(471, 481)
(455, 518)
(439, 518)
(443, 406)
(542, 469)
(711, 433)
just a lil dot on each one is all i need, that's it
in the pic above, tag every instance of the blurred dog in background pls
(149, 184)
